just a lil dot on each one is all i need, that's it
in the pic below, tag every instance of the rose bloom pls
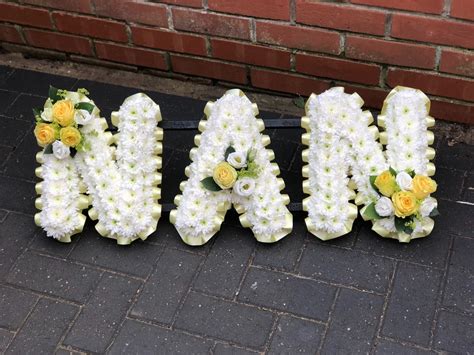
(423, 186)
(70, 136)
(224, 175)
(63, 113)
(386, 184)
(45, 134)
(404, 203)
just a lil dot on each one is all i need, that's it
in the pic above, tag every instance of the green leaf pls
(392, 171)
(230, 149)
(84, 106)
(48, 149)
(209, 184)
(53, 94)
(251, 154)
(372, 182)
(37, 113)
(299, 102)
(411, 173)
(370, 213)
(434, 212)
(404, 224)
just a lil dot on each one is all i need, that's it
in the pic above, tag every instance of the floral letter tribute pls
(229, 167)
(118, 172)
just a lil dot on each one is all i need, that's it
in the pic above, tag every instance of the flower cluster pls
(58, 123)
(405, 200)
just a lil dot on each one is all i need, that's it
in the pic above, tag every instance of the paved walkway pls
(357, 294)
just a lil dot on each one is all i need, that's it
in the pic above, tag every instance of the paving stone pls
(5, 338)
(387, 347)
(267, 115)
(55, 277)
(223, 349)
(430, 251)
(290, 134)
(5, 72)
(226, 263)
(4, 155)
(139, 338)
(346, 267)
(225, 320)
(293, 185)
(100, 318)
(459, 156)
(22, 200)
(22, 107)
(14, 307)
(345, 241)
(6, 99)
(287, 293)
(293, 335)
(354, 323)
(180, 139)
(450, 183)
(67, 352)
(44, 328)
(136, 259)
(16, 129)
(455, 218)
(410, 311)
(36, 83)
(167, 286)
(174, 175)
(454, 333)
(3, 215)
(468, 192)
(16, 232)
(49, 245)
(284, 152)
(179, 108)
(22, 161)
(284, 254)
(459, 291)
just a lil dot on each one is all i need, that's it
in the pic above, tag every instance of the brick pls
(226, 263)
(459, 292)
(373, 97)
(23, 198)
(140, 338)
(170, 41)
(353, 323)
(129, 55)
(441, 31)
(410, 318)
(223, 349)
(245, 325)
(457, 88)
(279, 81)
(462, 9)
(9, 34)
(44, 328)
(213, 24)
(189, 3)
(25, 15)
(427, 6)
(54, 277)
(311, 39)
(15, 305)
(251, 54)
(391, 52)
(287, 293)
(276, 9)
(454, 333)
(450, 111)
(209, 69)
(341, 69)
(90, 26)
(133, 11)
(388, 347)
(340, 16)
(457, 62)
(167, 286)
(99, 319)
(68, 5)
(58, 41)
(293, 335)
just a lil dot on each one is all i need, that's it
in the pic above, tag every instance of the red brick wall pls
(290, 46)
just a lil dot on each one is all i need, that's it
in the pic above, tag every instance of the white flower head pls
(47, 114)
(82, 117)
(428, 205)
(384, 207)
(244, 187)
(237, 159)
(60, 150)
(404, 181)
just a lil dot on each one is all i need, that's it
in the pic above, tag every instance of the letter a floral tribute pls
(82, 167)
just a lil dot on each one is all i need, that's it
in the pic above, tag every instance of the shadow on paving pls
(358, 293)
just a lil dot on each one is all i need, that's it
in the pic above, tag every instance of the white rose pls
(237, 159)
(428, 205)
(404, 181)
(60, 150)
(384, 207)
(47, 114)
(244, 187)
(82, 117)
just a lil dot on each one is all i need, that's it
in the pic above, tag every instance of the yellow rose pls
(45, 134)
(224, 175)
(404, 203)
(63, 113)
(423, 186)
(386, 183)
(70, 136)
